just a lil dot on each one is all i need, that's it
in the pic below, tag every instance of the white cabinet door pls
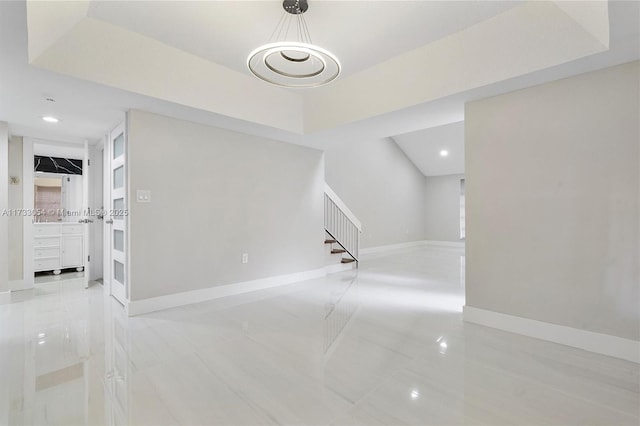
(72, 251)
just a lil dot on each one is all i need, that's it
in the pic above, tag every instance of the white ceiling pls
(361, 33)
(424, 147)
(89, 109)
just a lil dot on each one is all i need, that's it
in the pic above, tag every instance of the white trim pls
(449, 244)
(434, 243)
(604, 344)
(342, 206)
(5, 297)
(380, 249)
(27, 204)
(339, 267)
(138, 307)
(86, 204)
(106, 229)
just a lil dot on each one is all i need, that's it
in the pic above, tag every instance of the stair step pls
(347, 260)
(330, 241)
(334, 251)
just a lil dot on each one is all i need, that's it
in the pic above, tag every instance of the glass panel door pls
(118, 214)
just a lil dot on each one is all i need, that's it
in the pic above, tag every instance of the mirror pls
(57, 197)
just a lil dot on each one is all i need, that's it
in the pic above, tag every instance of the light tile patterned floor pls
(382, 345)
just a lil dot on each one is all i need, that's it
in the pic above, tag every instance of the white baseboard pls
(339, 267)
(380, 249)
(5, 297)
(604, 344)
(144, 306)
(434, 243)
(449, 244)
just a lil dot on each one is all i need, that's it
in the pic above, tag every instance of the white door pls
(116, 216)
(86, 219)
(97, 199)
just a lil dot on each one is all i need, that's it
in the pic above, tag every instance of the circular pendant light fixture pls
(297, 63)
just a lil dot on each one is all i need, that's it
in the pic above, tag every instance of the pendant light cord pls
(281, 31)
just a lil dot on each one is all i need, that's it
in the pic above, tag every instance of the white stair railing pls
(341, 223)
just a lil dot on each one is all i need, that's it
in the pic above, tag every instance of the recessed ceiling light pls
(50, 119)
(444, 153)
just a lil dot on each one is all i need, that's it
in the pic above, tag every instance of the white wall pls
(381, 186)
(15, 202)
(552, 194)
(442, 208)
(215, 195)
(4, 204)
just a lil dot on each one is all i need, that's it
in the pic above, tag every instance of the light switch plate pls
(143, 196)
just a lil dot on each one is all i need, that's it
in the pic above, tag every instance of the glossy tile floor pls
(383, 345)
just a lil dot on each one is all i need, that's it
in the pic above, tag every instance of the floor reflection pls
(117, 393)
(342, 305)
(46, 338)
(384, 344)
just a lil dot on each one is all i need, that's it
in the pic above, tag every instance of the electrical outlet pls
(245, 257)
(143, 196)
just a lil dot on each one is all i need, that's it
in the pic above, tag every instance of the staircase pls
(342, 228)
(347, 258)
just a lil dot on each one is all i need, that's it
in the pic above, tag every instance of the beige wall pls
(552, 195)
(442, 208)
(15, 202)
(381, 186)
(215, 195)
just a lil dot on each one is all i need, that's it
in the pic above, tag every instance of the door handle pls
(110, 222)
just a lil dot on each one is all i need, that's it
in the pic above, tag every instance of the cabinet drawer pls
(46, 230)
(72, 229)
(46, 264)
(47, 252)
(46, 242)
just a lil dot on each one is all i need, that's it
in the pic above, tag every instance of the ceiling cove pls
(192, 53)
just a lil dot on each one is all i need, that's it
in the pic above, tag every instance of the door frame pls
(28, 278)
(96, 182)
(106, 229)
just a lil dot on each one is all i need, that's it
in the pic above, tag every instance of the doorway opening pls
(62, 191)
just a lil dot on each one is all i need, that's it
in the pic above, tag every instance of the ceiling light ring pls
(284, 73)
(314, 50)
(289, 58)
(309, 53)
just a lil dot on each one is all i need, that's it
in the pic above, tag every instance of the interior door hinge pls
(89, 258)
(88, 162)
